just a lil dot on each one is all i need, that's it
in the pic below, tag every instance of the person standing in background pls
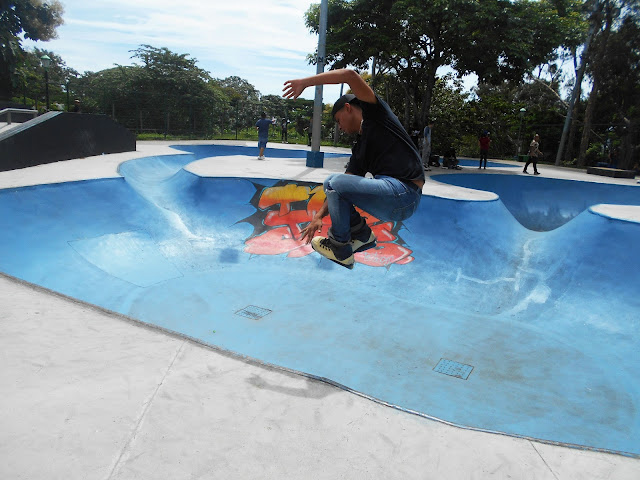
(263, 133)
(484, 142)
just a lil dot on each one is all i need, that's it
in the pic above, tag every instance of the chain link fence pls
(152, 116)
(183, 116)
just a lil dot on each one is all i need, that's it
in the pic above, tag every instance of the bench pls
(611, 172)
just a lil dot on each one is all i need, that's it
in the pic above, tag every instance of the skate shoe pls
(363, 240)
(340, 254)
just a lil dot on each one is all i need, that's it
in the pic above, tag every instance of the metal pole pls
(520, 135)
(317, 103)
(336, 129)
(46, 86)
(522, 112)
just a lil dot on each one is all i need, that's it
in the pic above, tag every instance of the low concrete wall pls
(60, 136)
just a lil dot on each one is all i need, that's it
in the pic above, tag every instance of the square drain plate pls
(253, 312)
(453, 369)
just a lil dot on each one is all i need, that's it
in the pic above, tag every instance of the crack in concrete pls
(143, 414)
(545, 462)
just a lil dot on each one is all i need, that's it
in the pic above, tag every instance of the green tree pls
(452, 114)
(498, 40)
(274, 105)
(244, 101)
(171, 86)
(582, 35)
(32, 19)
(167, 92)
(617, 108)
(30, 87)
(613, 15)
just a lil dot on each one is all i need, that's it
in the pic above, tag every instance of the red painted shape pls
(286, 225)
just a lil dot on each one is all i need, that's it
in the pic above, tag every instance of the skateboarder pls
(384, 149)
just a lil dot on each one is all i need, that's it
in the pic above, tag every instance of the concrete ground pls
(91, 394)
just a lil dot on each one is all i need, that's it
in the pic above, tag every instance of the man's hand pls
(293, 88)
(311, 230)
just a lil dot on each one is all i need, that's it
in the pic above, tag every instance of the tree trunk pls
(575, 95)
(425, 108)
(597, 64)
(586, 128)
(568, 153)
(407, 104)
(627, 147)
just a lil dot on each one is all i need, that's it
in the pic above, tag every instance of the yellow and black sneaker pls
(363, 240)
(340, 254)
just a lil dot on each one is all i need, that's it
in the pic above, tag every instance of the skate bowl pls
(543, 204)
(460, 314)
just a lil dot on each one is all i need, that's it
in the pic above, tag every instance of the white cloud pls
(263, 42)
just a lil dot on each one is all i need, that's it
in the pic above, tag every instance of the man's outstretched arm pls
(293, 88)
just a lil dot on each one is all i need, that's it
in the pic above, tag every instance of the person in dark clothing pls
(484, 142)
(384, 149)
(262, 126)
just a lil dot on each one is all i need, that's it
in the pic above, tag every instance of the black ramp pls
(57, 136)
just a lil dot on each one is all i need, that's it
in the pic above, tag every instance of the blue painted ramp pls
(543, 204)
(474, 162)
(205, 151)
(461, 313)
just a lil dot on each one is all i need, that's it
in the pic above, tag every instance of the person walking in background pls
(426, 144)
(534, 155)
(283, 130)
(263, 133)
(484, 142)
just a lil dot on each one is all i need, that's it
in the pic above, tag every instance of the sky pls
(262, 41)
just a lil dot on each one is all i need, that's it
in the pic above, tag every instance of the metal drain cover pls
(453, 369)
(253, 312)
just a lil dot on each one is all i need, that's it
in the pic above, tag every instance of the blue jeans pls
(386, 198)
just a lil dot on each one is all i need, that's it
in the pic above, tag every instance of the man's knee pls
(334, 181)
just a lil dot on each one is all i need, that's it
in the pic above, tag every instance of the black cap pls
(346, 98)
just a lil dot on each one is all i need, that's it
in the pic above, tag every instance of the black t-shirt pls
(384, 147)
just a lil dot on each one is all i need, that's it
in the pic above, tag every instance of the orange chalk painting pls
(283, 210)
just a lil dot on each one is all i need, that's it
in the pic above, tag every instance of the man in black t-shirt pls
(384, 149)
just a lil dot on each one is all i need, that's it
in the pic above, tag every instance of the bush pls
(594, 155)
